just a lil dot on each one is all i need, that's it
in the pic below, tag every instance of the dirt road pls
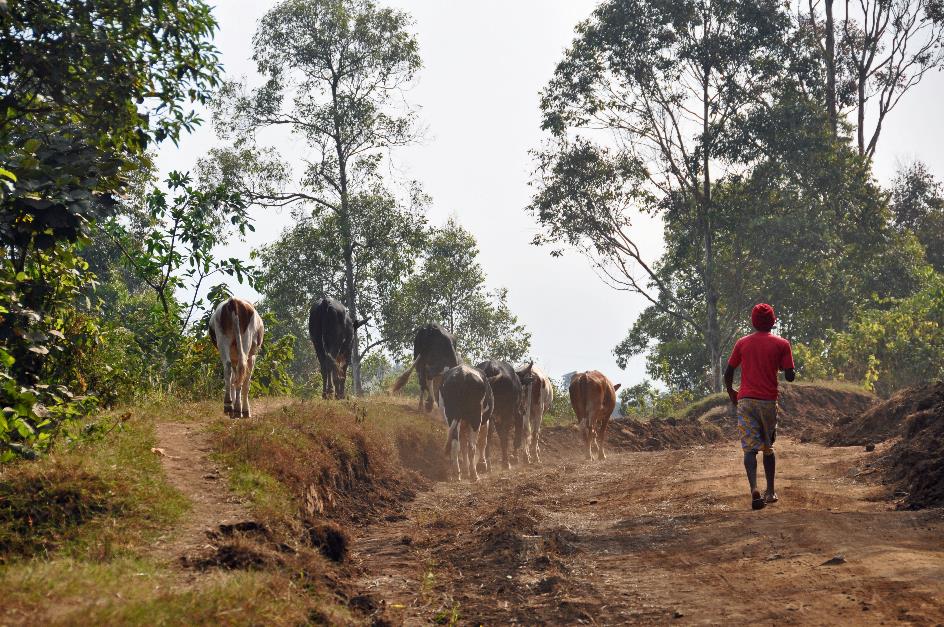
(657, 537)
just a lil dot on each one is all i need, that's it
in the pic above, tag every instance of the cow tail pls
(588, 400)
(453, 432)
(243, 360)
(403, 378)
(334, 360)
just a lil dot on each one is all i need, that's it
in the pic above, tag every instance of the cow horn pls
(527, 368)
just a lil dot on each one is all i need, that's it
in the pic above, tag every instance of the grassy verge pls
(348, 461)
(76, 529)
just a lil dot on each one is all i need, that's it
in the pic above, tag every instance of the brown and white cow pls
(236, 329)
(593, 398)
(541, 397)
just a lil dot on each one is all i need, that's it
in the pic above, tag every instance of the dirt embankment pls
(914, 418)
(807, 413)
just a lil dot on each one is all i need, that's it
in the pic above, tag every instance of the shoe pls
(757, 501)
(770, 497)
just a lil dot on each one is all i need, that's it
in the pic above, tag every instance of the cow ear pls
(360, 323)
(617, 386)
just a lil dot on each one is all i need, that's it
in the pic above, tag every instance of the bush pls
(893, 343)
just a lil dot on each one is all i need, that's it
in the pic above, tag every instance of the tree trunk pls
(831, 69)
(712, 334)
(860, 121)
(350, 291)
(350, 295)
(351, 305)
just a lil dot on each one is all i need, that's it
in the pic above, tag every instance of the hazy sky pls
(484, 64)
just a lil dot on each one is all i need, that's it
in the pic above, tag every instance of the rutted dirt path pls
(655, 537)
(188, 467)
(185, 455)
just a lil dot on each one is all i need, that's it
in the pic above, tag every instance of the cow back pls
(506, 388)
(436, 347)
(331, 328)
(466, 395)
(592, 392)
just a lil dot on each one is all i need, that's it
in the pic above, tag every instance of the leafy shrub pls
(894, 343)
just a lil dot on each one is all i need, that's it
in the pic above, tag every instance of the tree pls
(449, 288)
(171, 248)
(86, 86)
(303, 264)
(918, 206)
(666, 81)
(885, 48)
(335, 71)
(805, 228)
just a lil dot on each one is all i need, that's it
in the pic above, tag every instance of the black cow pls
(332, 332)
(511, 406)
(434, 352)
(466, 399)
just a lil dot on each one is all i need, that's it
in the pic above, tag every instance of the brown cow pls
(593, 398)
(237, 331)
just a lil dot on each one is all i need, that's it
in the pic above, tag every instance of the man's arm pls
(729, 383)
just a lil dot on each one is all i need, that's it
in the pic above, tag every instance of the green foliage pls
(270, 377)
(173, 249)
(890, 344)
(87, 86)
(918, 207)
(561, 411)
(121, 70)
(449, 288)
(335, 72)
(643, 400)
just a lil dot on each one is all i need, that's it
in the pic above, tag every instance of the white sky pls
(484, 64)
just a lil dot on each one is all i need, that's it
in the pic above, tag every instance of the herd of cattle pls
(473, 400)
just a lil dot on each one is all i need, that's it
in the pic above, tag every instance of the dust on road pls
(656, 537)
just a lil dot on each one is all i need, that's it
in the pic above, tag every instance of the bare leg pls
(770, 469)
(326, 375)
(750, 465)
(535, 437)
(235, 392)
(601, 435)
(587, 438)
(502, 427)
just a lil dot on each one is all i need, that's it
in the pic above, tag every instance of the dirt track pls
(655, 537)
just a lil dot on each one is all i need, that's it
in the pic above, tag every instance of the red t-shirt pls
(760, 356)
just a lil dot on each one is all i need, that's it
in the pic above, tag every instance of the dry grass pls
(349, 461)
(137, 592)
(76, 528)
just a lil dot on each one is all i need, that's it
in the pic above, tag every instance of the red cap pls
(762, 317)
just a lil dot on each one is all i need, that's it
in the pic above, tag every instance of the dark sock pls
(770, 466)
(750, 464)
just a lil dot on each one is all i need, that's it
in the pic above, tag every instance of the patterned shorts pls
(757, 423)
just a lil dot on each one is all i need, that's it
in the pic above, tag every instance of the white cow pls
(539, 402)
(237, 331)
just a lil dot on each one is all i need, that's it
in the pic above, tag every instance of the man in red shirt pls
(760, 356)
